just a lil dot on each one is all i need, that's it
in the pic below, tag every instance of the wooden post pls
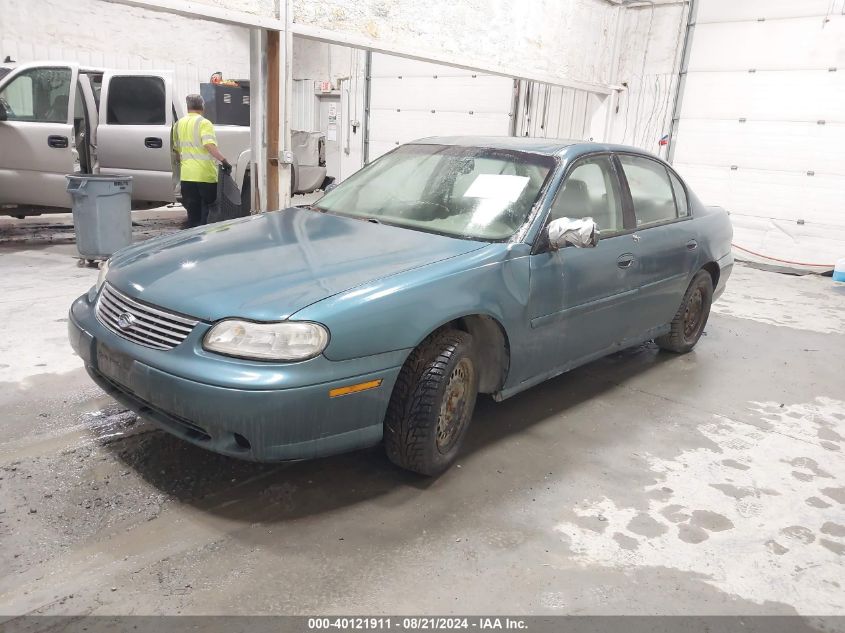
(273, 119)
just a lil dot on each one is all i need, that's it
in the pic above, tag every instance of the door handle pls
(153, 142)
(692, 245)
(59, 142)
(625, 261)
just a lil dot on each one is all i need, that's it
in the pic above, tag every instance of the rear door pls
(37, 137)
(133, 135)
(580, 296)
(666, 248)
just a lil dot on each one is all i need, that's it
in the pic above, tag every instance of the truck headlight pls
(101, 278)
(286, 341)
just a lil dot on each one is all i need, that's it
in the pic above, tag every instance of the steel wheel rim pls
(454, 406)
(693, 314)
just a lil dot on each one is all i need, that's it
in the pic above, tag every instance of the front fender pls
(398, 312)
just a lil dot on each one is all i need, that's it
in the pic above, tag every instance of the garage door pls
(548, 111)
(762, 124)
(411, 99)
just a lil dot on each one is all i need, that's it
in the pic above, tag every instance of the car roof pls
(545, 146)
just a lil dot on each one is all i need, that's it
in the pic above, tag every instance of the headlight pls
(287, 341)
(101, 278)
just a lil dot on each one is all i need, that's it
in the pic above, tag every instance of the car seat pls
(573, 201)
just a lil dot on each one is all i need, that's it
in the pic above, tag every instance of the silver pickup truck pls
(58, 118)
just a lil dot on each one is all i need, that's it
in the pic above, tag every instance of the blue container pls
(839, 271)
(102, 213)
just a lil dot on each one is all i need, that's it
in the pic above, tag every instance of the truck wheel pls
(689, 321)
(432, 403)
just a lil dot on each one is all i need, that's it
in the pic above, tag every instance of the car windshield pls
(469, 192)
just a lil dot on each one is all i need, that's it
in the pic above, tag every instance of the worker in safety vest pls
(196, 143)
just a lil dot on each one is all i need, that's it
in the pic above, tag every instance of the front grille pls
(142, 324)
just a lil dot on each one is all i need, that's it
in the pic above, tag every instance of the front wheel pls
(432, 403)
(691, 317)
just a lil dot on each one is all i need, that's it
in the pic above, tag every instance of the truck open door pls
(133, 133)
(37, 135)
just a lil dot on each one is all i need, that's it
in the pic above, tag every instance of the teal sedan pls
(447, 268)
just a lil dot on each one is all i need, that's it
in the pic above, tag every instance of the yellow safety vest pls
(190, 136)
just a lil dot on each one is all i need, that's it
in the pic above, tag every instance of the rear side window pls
(136, 101)
(651, 190)
(680, 196)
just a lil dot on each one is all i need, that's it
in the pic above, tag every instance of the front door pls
(37, 137)
(133, 135)
(577, 306)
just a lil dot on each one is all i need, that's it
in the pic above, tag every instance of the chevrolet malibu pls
(444, 269)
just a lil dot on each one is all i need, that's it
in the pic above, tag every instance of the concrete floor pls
(644, 483)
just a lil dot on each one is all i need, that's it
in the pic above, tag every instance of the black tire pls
(691, 317)
(432, 403)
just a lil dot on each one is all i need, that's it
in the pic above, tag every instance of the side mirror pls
(3, 114)
(581, 233)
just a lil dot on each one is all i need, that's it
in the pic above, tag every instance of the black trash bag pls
(228, 203)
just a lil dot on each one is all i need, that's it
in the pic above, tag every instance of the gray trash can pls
(102, 213)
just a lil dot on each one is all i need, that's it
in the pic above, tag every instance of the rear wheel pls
(432, 403)
(691, 317)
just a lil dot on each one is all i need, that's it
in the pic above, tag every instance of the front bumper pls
(244, 416)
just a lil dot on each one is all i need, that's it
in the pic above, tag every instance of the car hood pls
(268, 266)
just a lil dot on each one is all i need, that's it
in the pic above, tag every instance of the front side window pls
(591, 190)
(469, 192)
(39, 95)
(136, 101)
(651, 190)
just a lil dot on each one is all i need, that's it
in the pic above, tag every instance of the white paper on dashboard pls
(497, 187)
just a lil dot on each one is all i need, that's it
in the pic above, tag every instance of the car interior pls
(585, 194)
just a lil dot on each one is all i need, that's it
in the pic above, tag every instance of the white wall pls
(548, 111)
(647, 40)
(412, 99)
(320, 61)
(572, 39)
(563, 39)
(100, 33)
(344, 68)
(762, 123)
(560, 41)
(650, 42)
